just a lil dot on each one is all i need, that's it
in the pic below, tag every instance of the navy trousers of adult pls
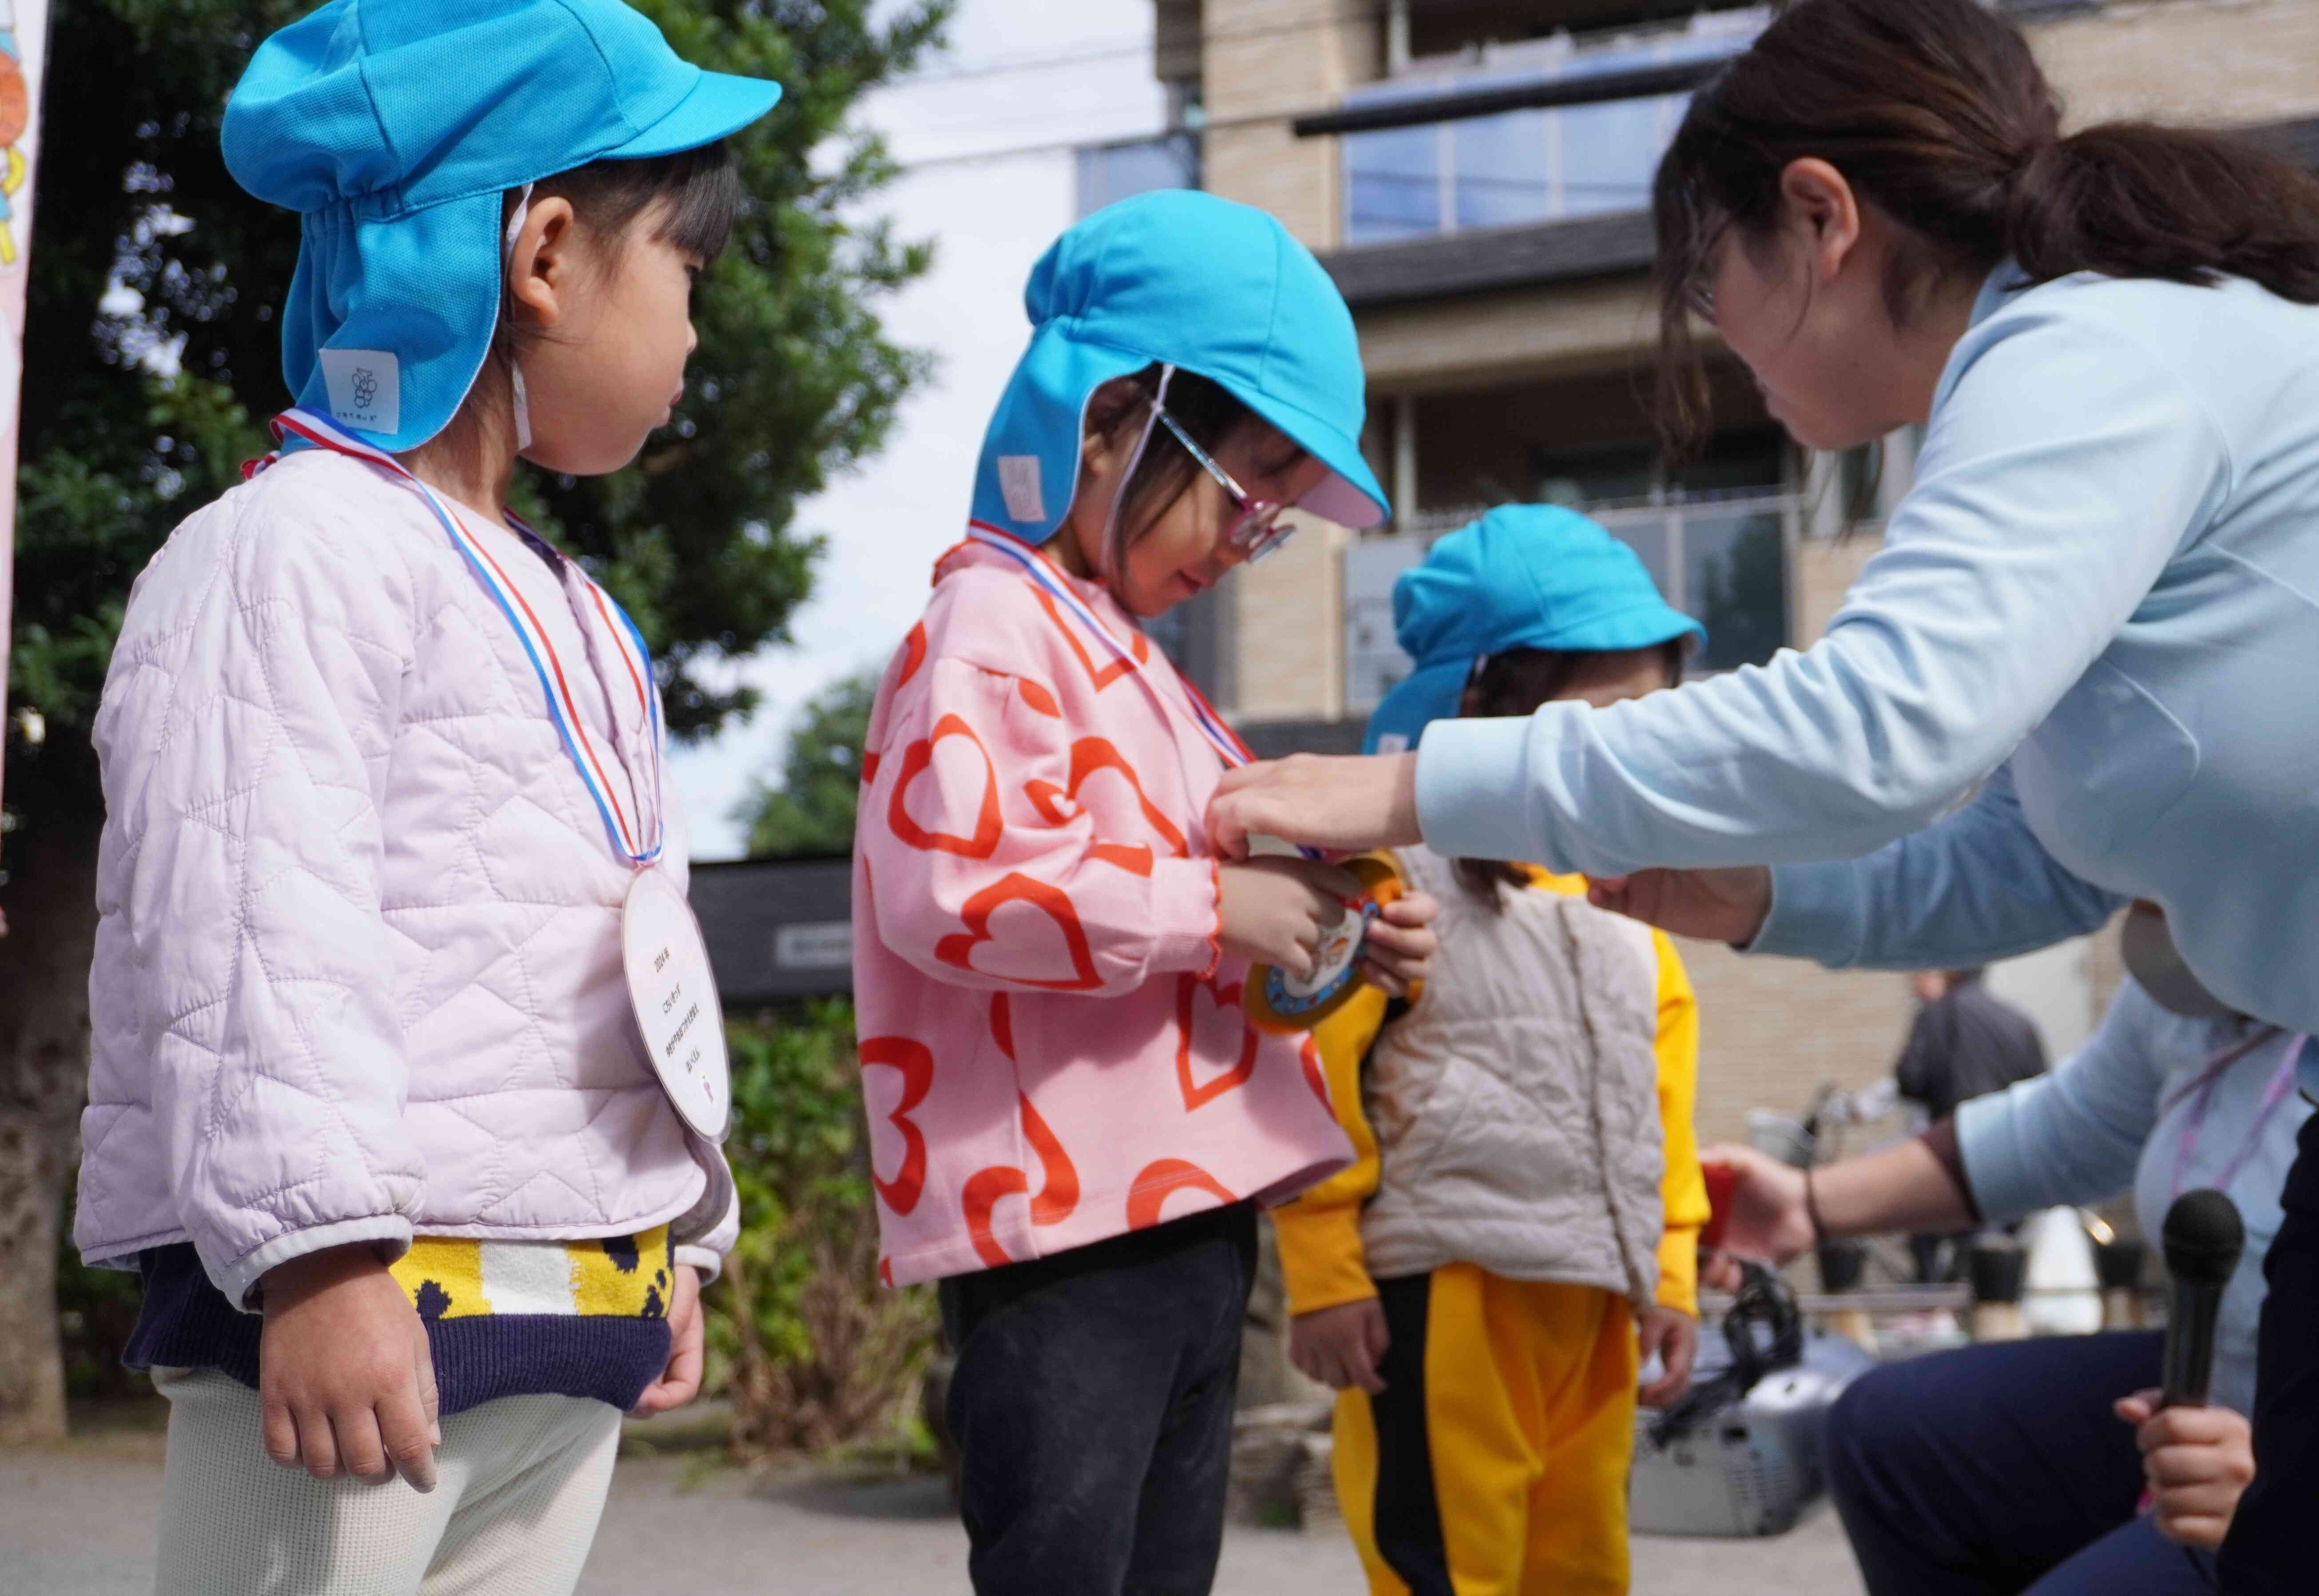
(1999, 1469)
(1092, 1410)
(2274, 1541)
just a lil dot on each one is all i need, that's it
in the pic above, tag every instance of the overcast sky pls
(990, 218)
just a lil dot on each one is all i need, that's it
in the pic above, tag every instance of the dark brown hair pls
(1205, 410)
(1936, 114)
(701, 188)
(1516, 682)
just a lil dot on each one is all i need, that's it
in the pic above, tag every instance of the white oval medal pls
(674, 995)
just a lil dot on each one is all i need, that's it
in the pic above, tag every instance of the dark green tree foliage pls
(794, 381)
(812, 809)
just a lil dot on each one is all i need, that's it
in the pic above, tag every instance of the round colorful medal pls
(1278, 1001)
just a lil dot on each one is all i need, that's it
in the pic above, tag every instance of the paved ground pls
(78, 1521)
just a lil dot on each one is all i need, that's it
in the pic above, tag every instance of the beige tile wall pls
(2224, 62)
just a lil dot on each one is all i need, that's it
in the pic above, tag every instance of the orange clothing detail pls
(1053, 1049)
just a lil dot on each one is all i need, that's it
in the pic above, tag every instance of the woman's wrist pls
(1812, 1209)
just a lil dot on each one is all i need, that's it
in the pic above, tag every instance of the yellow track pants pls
(1495, 1462)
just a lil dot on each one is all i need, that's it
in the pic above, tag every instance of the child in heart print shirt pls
(1073, 1122)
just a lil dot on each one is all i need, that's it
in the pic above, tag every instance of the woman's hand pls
(1401, 945)
(1341, 1346)
(1674, 1336)
(346, 1382)
(679, 1383)
(2200, 1462)
(1722, 906)
(1344, 805)
(1767, 1219)
(1278, 911)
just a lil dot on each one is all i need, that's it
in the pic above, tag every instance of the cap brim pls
(719, 105)
(1632, 625)
(1349, 495)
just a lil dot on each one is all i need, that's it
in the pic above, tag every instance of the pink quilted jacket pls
(1053, 1050)
(357, 965)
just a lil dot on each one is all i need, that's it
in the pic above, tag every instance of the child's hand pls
(1674, 1336)
(679, 1383)
(1341, 1346)
(2199, 1461)
(1400, 944)
(346, 1383)
(1278, 911)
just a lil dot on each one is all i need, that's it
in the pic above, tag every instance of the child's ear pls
(540, 268)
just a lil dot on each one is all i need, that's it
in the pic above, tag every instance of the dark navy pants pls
(2000, 1469)
(1092, 1407)
(2274, 1540)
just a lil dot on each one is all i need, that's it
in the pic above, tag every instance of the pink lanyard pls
(2281, 1081)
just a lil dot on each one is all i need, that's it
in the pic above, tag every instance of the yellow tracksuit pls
(1496, 1461)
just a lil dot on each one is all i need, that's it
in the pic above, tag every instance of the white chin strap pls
(1115, 549)
(515, 367)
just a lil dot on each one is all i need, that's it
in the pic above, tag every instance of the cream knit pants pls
(521, 1485)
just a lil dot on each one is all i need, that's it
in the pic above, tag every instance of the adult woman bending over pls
(2099, 599)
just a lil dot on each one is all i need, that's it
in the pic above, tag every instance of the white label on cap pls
(366, 388)
(1018, 479)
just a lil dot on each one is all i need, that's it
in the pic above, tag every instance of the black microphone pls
(2203, 1238)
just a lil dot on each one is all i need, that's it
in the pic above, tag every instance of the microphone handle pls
(2189, 1359)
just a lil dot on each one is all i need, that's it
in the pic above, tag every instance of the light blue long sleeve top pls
(2107, 572)
(2123, 1110)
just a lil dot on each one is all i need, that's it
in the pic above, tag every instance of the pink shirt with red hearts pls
(1052, 1044)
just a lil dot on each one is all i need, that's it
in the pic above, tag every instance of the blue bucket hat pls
(393, 128)
(1181, 278)
(1524, 576)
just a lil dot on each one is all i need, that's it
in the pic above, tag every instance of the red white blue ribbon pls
(628, 837)
(1190, 705)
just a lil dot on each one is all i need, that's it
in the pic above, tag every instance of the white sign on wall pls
(1373, 663)
(821, 945)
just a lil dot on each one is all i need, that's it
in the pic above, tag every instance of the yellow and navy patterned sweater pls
(586, 1318)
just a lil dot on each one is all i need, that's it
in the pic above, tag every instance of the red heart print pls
(1162, 1180)
(1059, 1190)
(914, 654)
(1093, 757)
(916, 760)
(917, 1066)
(1110, 811)
(1104, 676)
(1197, 1024)
(1039, 698)
(1315, 1077)
(957, 950)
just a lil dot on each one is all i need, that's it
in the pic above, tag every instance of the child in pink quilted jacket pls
(1073, 1121)
(369, 1108)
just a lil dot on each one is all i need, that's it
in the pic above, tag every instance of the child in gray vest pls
(1518, 1235)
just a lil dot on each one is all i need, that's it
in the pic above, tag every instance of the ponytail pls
(1936, 114)
(2130, 199)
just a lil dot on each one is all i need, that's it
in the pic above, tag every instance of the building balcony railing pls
(1519, 167)
(1721, 557)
